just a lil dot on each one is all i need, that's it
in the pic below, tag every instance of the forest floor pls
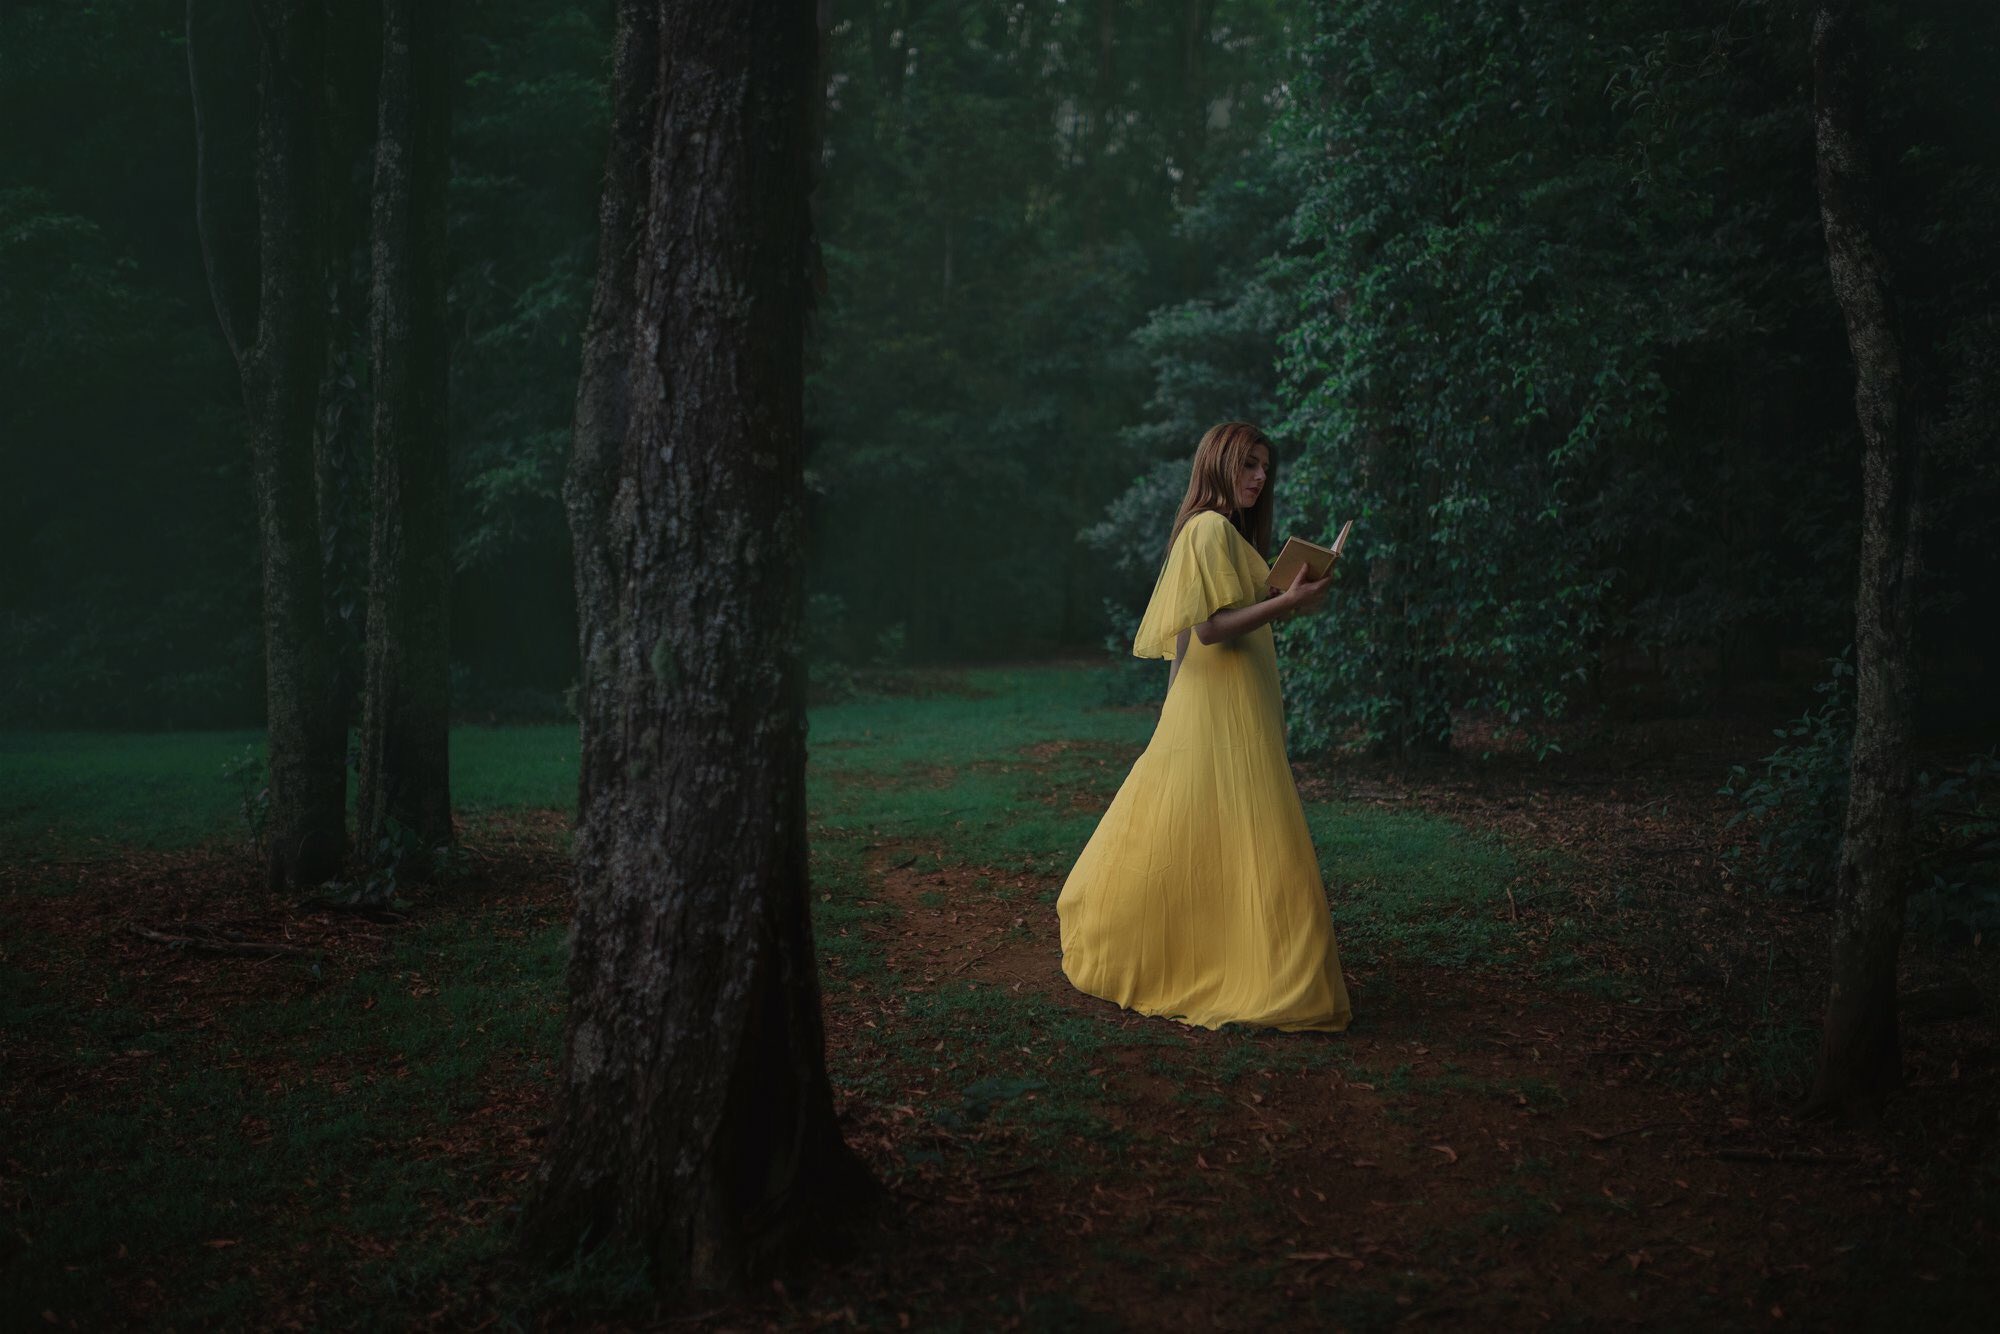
(1564, 1100)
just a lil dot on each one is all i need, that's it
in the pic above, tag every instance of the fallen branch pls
(987, 954)
(223, 944)
(374, 912)
(1600, 1137)
(1010, 1172)
(1785, 1156)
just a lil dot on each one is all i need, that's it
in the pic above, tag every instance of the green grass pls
(1003, 711)
(508, 768)
(1413, 885)
(75, 794)
(80, 792)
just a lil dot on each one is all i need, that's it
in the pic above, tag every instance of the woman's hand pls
(1307, 595)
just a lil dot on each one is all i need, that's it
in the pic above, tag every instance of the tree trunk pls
(340, 444)
(279, 367)
(405, 741)
(696, 1123)
(1860, 1057)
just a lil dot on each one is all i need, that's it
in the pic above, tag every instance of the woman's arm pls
(1304, 595)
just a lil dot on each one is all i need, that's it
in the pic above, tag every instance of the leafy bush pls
(1957, 827)
(1798, 806)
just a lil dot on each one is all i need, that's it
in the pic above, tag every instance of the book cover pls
(1316, 559)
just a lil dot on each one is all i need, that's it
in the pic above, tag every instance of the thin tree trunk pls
(1860, 1056)
(696, 1123)
(279, 366)
(405, 739)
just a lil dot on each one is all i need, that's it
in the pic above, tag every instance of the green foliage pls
(1487, 315)
(1957, 823)
(1798, 806)
(1566, 343)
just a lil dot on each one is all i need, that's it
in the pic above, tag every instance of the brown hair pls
(1218, 459)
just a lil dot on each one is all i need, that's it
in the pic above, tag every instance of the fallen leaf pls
(1450, 1154)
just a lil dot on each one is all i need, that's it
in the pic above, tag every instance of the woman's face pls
(1250, 477)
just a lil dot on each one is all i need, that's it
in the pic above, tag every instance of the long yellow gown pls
(1199, 897)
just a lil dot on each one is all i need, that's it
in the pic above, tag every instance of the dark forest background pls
(1538, 294)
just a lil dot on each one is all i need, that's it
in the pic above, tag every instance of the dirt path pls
(1475, 1151)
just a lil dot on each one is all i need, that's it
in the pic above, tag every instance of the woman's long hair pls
(1218, 460)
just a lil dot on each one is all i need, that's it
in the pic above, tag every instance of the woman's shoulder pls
(1206, 521)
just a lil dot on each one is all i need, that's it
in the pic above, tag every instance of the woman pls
(1199, 897)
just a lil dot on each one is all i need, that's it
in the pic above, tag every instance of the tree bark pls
(405, 738)
(696, 1122)
(341, 464)
(279, 367)
(1860, 1057)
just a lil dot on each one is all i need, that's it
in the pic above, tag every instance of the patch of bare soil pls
(952, 923)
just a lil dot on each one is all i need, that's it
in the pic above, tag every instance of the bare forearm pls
(1231, 622)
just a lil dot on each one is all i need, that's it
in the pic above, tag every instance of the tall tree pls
(341, 464)
(1860, 1054)
(696, 1123)
(405, 742)
(268, 304)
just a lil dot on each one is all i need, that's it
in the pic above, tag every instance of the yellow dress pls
(1199, 896)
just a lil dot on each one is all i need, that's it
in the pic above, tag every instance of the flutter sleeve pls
(1199, 579)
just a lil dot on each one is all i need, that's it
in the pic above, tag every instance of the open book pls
(1316, 559)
